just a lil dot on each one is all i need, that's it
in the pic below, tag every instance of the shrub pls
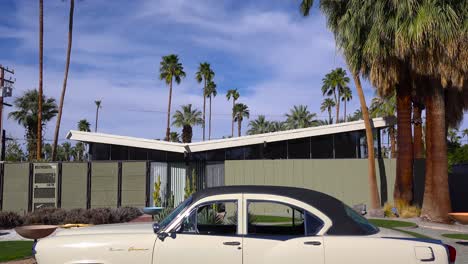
(10, 220)
(46, 216)
(125, 214)
(404, 210)
(76, 216)
(99, 216)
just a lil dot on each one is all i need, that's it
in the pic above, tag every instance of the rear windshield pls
(366, 227)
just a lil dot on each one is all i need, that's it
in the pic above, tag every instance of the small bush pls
(76, 216)
(125, 214)
(46, 216)
(10, 220)
(404, 210)
(99, 216)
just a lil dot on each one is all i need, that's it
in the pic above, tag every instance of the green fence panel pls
(74, 183)
(15, 190)
(104, 178)
(133, 184)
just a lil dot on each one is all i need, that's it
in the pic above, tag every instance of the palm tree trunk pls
(344, 116)
(204, 110)
(373, 188)
(329, 116)
(97, 118)
(392, 142)
(404, 172)
(168, 128)
(239, 125)
(232, 127)
(427, 205)
(440, 206)
(337, 106)
(209, 124)
(187, 134)
(41, 50)
(64, 88)
(417, 121)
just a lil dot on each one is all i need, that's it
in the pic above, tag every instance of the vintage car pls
(249, 225)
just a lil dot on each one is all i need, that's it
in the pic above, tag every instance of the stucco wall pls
(133, 184)
(104, 184)
(345, 179)
(74, 182)
(15, 190)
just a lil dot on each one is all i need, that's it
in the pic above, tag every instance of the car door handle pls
(313, 243)
(232, 243)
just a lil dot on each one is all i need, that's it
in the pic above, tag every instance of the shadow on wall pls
(458, 181)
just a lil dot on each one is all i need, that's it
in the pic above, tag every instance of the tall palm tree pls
(210, 92)
(334, 84)
(98, 106)
(27, 115)
(170, 70)
(351, 43)
(346, 96)
(204, 74)
(187, 118)
(386, 107)
(276, 126)
(259, 126)
(234, 94)
(240, 112)
(174, 137)
(84, 125)
(40, 94)
(327, 105)
(65, 78)
(418, 146)
(300, 117)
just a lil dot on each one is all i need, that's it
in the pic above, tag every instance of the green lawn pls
(11, 250)
(456, 236)
(396, 225)
(270, 219)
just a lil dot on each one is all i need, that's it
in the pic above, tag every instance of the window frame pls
(201, 204)
(306, 214)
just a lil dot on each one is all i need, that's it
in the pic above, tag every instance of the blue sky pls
(275, 57)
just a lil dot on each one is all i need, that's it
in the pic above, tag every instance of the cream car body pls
(170, 244)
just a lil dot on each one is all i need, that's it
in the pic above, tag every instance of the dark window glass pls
(175, 157)
(218, 218)
(366, 226)
(137, 154)
(253, 152)
(235, 153)
(345, 146)
(156, 155)
(101, 152)
(313, 224)
(322, 147)
(119, 152)
(270, 218)
(275, 150)
(198, 156)
(299, 148)
(215, 155)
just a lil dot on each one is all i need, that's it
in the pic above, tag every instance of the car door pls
(279, 232)
(208, 233)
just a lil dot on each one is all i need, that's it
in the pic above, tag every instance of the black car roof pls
(336, 210)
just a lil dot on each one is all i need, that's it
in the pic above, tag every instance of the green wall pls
(104, 184)
(345, 179)
(15, 191)
(133, 184)
(74, 182)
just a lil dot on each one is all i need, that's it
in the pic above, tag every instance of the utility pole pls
(6, 87)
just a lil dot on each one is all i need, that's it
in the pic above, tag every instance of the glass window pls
(217, 218)
(253, 152)
(366, 226)
(156, 155)
(119, 152)
(235, 153)
(345, 146)
(101, 152)
(299, 148)
(271, 218)
(322, 147)
(275, 150)
(137, 154)
(215, 155)
(178, 210)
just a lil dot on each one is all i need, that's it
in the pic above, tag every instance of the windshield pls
(179, 209)
(366, 226)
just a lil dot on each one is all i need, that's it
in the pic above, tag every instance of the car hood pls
(126, 228)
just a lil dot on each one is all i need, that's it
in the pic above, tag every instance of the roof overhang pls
(91, 137)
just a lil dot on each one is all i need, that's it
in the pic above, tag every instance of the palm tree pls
(98, 106)
(235, 95)
(334, 84)
(64, 87)
(386, 107)
(84, 125)
(210, 92)
(465, 133)
(240, 111)
(174, 137)
(78, 151)
(276, 126)
(187, 118)
(346, 96)
(170, 69)
(327, 105)
(453, 137)
(205, 74)
(259, 126)
(300, 117)
(418, 146)
(351, 43)
(27, 116)
(40, 94)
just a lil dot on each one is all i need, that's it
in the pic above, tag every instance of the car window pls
(178, 210)
(366, 226)
(272, 218)
(216, 218)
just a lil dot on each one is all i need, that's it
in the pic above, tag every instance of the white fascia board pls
(287, 135)
(91, 137)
